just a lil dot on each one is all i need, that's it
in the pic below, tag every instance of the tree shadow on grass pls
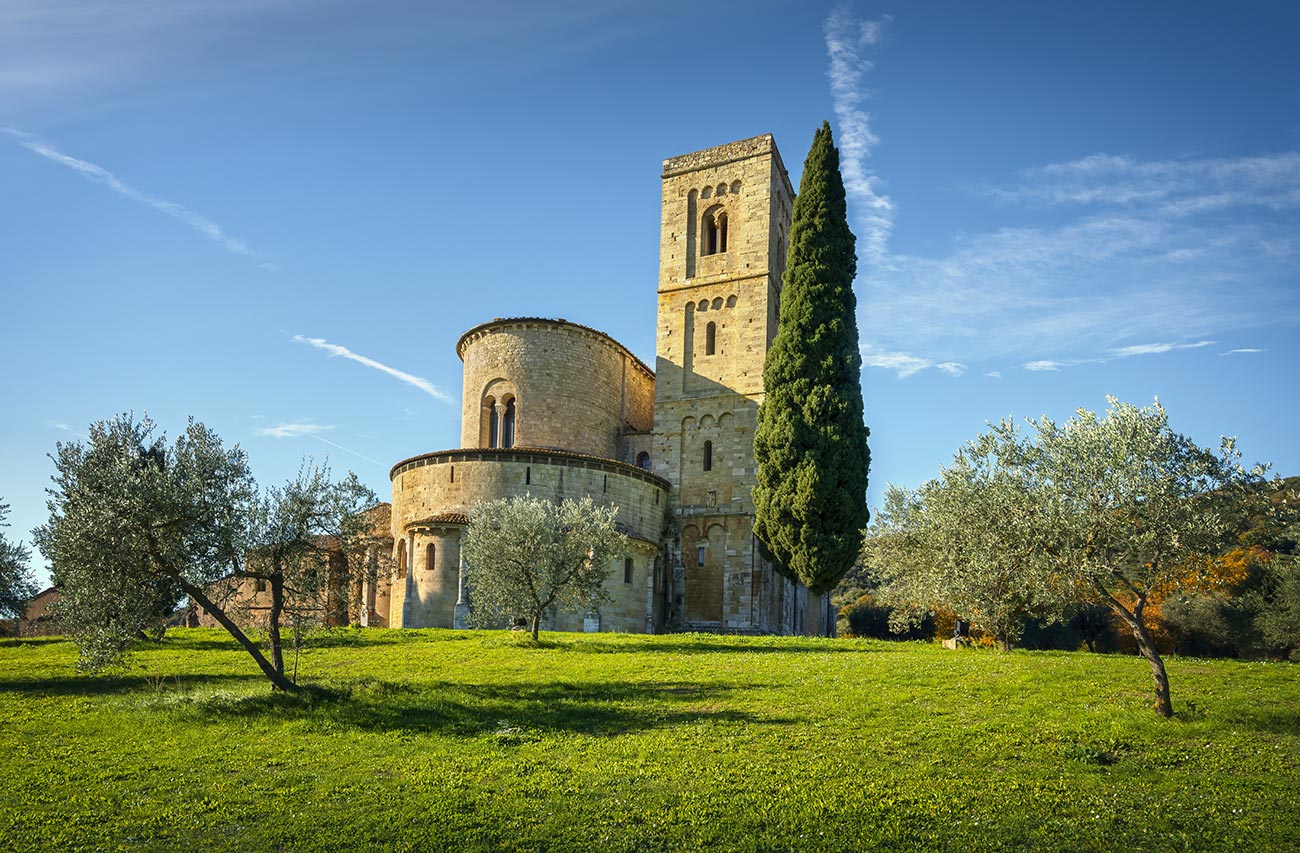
(1274, 720)
(103, 685)
(512, 713)
(704, 644)
(15, 642)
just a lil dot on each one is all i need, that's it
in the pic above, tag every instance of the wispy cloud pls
(1178, 187)
(1124, 250)
(848, 43)
(300, 429)
(1114, 354)
(906, 364)
(419, 382)
(1152, 349)
(993, 374)
(100, 175)
(67, 428)
(293, 430)
(1241, 350)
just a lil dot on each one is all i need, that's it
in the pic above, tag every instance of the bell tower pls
(723, 234)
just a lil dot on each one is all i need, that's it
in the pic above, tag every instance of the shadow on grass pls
(1276, 721)
(514, 713)
(103, 685)
(707, 644)
(15, 642)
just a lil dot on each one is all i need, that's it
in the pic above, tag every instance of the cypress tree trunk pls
(811, 443)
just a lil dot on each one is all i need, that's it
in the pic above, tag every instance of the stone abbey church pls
(559, 410)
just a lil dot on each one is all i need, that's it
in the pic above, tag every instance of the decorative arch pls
(498, 413)
(713, 231)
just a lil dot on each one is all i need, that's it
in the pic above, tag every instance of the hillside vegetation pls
(480, 741)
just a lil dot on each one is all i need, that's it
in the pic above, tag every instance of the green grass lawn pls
(431, 740)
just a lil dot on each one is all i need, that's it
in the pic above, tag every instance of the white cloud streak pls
(310, 430)
(293, 430)
(346, 449)
(1120, 249)
(1241, 350)
(100, 175)
(419, 382)
(905, 364)
(848, 42)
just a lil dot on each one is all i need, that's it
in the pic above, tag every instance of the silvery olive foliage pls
(16, 583)
(1119, 511)
(525, 554)
(136, 523)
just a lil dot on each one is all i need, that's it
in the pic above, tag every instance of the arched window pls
(643, 461)
(699, 556)
(722, 232)
(710, 235)
(430, 556)
(508, 425)
(708, 456)
(710, 338)
(494, 426)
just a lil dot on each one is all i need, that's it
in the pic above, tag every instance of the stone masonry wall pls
(430, 491)
(575, 388)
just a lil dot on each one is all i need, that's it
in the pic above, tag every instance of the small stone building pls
(558, 410)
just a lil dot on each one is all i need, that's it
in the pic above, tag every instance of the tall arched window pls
(643, 461)
(494, 427)
(430, 556)
(508, 424)
(710, 338)
(722, 232)
(708, 456)
(710, 235)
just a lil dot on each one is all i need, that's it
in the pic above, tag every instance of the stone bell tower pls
(725, 225)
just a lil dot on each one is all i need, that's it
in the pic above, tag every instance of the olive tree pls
(524, 554)
(135, 524)
(1118, 511)
(962, 542)
(16, 584)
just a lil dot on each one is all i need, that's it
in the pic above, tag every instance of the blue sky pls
(279, 215)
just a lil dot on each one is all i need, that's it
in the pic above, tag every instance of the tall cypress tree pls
(811, 443)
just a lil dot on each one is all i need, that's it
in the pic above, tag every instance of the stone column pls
(460, 617)
(367, 563)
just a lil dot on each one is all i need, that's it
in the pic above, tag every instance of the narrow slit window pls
(710, 338)
(722, 232)
(708, 456)
(453, 473)
(699, 556)
(494, 426)
(528, 476)
(604, 486)
(430, 556)
(627, 570)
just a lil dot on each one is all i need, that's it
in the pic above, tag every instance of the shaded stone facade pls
(558, 410)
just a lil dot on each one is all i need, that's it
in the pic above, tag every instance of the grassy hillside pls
(477, 741)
